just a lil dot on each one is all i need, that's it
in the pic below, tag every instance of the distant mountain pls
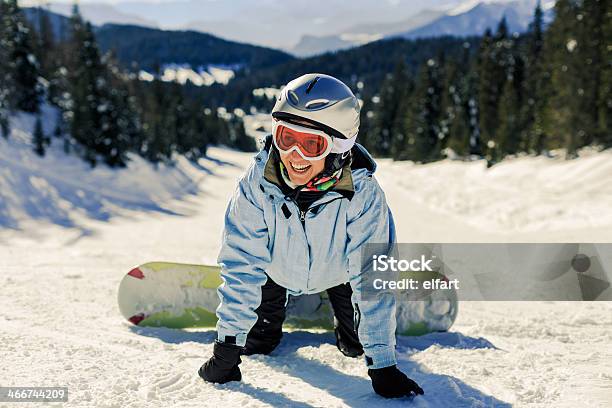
(473, 18)
(152, 48)
(361, 34)
(271, 23)
(310, 45)
(99, 14)
(469, 18)
(59, 22)
(382, 30)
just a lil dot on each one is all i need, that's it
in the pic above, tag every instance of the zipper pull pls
(302, 215)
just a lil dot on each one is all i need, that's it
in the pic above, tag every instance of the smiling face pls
(301, 171)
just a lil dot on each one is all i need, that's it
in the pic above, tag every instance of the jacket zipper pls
(303, 218)
(303, 213)
(322, 204)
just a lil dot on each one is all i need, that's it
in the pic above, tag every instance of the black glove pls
(223, 365)
(390, 382)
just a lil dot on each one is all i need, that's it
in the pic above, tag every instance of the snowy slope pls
(60, 188)
(524, 194)
(61, 326)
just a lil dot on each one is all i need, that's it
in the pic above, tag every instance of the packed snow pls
(536, 194)
(69, 234)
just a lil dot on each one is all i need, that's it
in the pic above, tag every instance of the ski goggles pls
(311, 144)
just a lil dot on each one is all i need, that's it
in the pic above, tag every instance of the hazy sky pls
(273, 23)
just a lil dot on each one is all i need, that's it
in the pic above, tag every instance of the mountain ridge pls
(465, 19)
(153, 47)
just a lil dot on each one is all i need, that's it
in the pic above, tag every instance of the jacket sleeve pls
(372, 222)
(243, 258)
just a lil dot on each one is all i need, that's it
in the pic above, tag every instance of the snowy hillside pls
(69, 234)
(185, 73)
(527, 194)
(61, 189)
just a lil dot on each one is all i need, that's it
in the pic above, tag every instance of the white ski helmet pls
(324, 101)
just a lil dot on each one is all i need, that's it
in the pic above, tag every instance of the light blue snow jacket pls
(261, 237)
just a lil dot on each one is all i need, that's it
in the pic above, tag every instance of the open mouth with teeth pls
(300, 168)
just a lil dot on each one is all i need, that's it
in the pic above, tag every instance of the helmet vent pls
(293, 98)
(317, 104)
(311, 85)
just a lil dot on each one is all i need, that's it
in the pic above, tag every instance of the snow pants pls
(267, 332)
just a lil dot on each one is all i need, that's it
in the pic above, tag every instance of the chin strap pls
(335, 162)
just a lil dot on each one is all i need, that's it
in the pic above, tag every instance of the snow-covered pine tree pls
(387, 109)
(492, 73)
(239, 137)
(605, 96)
(570, 106)
(4, 74)
(119, 120)
(423, 120)
(191, 135)
(159, 127)
(22, 70)
(4, 110)
(58, 131)
(93, 111)
(455, 108)
(537, 86)
(367, 114)
(556, 45)
(595, 52)
(216, 128)
(84, 73)
(509, 131)
(45, 43)
(509, 135)
(487, 90)
(40, 140)
(402, 87)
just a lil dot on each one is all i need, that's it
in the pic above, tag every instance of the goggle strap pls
(342, 145)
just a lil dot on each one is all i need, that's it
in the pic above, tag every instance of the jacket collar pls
(344, 186)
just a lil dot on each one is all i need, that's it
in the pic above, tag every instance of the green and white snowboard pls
(164, 294)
